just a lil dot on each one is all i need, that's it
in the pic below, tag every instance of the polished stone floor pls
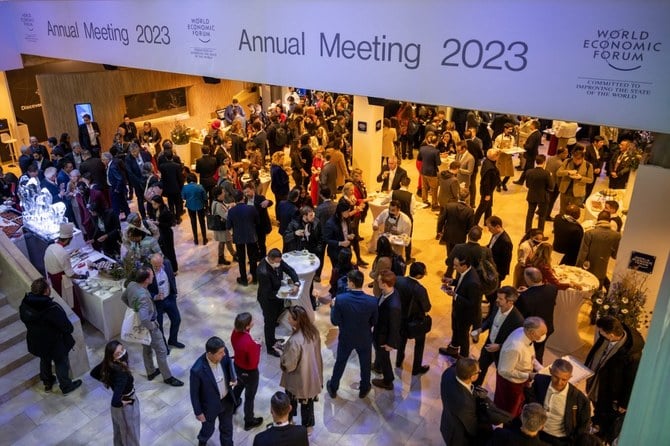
(209, 299)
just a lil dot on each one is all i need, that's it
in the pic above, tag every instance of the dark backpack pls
(281, 136)
(488, 276)
(398, 265)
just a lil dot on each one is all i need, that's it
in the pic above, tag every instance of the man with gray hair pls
(49, 183)
(539, 299)
(569, 410)
(117, 185)
(533, 419)
(517, 365)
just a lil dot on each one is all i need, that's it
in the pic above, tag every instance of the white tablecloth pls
(100, 306)
(305, 265)
(565, 339)
(265, 183)
(596, 203)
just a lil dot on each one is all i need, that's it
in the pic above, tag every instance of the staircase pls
(19, 370)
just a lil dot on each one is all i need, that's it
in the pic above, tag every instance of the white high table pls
(305, 265)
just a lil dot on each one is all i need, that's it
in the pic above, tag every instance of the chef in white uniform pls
(59, 268)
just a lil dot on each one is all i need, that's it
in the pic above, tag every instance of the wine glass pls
(586, 265)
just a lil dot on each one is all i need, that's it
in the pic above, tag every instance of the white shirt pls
(57, 260)
(219, 377)
(402, 226)
(494, 239)
(391, 177)
(91, 134)
(498, 320)
(554, 404)
(516, 357)
(163, 282)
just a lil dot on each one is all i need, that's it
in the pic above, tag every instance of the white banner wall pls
(601, 61)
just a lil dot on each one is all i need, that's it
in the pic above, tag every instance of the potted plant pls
(625, 300)
(180, 134)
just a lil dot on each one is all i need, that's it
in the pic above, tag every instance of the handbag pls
(150, 192)
(214, 221)
(132, 329)
(419, 325)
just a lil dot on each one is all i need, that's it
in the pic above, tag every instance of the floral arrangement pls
(625, 301)
(132, 262)
(180, 134)
(635, 156)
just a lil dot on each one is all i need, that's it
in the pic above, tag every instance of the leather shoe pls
(176, 344)
(72, 387)
(332, 392)
(242, 281)
(153, 374)
(48, 387)
(519, 183)
(362, 264)
(450, 351)
(362, 393)
(376, 370)
(254, 424)
(378, 382)
(550, 218)
(174, 382)
(274, 353)
(421, 370)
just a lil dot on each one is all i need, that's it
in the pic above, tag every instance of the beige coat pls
(598, 245)
(389, 136)
(337, 158)
(579, 186)
(302, 367)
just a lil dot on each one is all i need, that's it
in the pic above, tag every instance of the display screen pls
(83, 109)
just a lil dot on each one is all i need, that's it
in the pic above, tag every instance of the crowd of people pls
(320, 201)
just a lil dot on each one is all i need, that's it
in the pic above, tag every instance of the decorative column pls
(367, 142)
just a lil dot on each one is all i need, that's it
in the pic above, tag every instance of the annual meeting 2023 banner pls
(601, 61)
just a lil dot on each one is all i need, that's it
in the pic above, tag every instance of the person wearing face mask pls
(115, 374)
(270, 273)
(517, 365)
(525, 253)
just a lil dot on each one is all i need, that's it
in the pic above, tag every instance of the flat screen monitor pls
(83, 109)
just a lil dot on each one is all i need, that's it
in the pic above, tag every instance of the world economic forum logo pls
(201, 28)
(622, 49)
(28, 23)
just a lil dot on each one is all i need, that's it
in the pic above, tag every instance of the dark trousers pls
(485, 361)
(262, 249)
(344, 349)
(529, 164)
(485, 208)
(306, 410)
(247, 380)
(271, 313)
(460, 336)
(553, 196)
(62, 371)
(175, 204)
(605, 416)
(169, 306)
(419, 344)
(225, 424)
(244, 249)
(141, 202)
(473, 186)
(383, 363)
(530, 214)
(119, 203)
(194, 226)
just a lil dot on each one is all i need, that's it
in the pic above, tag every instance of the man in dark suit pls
(568, 233)
(540, 184)
(391, 175)
(243, 220)
(282, 433)
(500, 245)
(270, 273)
(172, 179)
(459, 423)
(96, 168)
(503, 319)
(471, 250)
(386, 335)
(117, 184)
(206, 167)
(264, 224)
(569, 410)
(333, 232)
(323, 211)
(355, 313)
(134, 162)
(163, 291)
(466, 310)
(89, 136)
(531, 146)
(415, 303)
(539, 299)
(619, 166)
(455, 221)
(211, 381)
(328, 176)
(489, 181)
(592, 155)
(475, 147)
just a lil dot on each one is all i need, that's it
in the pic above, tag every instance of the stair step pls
(12, 334)
(14, 357)
(3, 299)
(8, 315)
(20, 379)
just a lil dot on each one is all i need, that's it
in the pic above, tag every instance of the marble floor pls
(209, 299)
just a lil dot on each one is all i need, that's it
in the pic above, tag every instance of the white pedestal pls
(184, 152)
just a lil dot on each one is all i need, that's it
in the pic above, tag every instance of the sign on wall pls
(602, 61)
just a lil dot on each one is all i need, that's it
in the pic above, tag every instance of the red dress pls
(317, 163)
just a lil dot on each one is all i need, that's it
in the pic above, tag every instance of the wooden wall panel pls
(105, 91)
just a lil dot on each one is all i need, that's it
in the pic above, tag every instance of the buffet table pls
(596, 202)
(99, 297)
(11, 223)
(305, 265)
(264, 177)
(565, 339)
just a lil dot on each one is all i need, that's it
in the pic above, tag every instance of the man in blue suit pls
(355, 313)
(243, 219)
(163, 290)
(117, 185)
(212, 381)
(134, 162)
